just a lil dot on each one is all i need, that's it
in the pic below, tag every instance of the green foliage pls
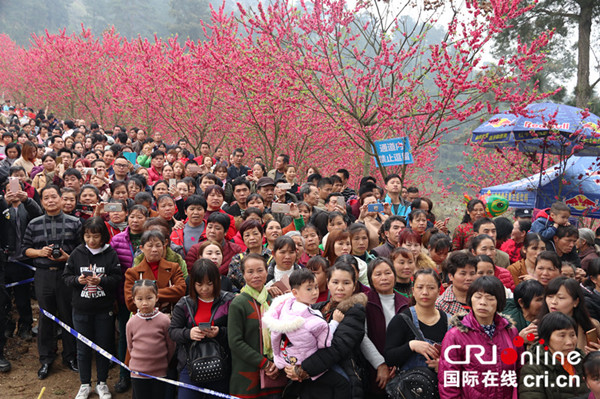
(562, 17)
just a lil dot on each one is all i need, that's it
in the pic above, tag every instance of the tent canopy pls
(575, 182)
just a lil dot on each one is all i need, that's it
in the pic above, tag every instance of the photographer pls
(48, 240)
(17, 211)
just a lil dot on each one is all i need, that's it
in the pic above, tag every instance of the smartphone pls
(58, 160)
(341, 201)
(204, 326)
(591, 335)
(446, 221)
(249, 172)
(113, 207)
(284, 186)
(87, 273)
(89, 171)
(280, 208)
(377, 207)
(172, 182)
(13, 184)
(84, 208)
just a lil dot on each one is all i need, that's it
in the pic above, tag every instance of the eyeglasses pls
(121, 165)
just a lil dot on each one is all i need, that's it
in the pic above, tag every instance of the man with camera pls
(48, 241)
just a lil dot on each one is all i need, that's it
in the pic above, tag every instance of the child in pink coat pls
(298, 331)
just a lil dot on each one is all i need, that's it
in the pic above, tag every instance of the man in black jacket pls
(17, 211)
(48, 240)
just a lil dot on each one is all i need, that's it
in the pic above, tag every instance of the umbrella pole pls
(539, 188)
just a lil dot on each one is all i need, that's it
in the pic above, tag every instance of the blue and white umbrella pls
(547, 127)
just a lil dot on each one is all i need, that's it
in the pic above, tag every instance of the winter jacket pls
(512, 249)
(230, 233)
(153, 176)
(571, 257)
(467, 331)
(177, 238)
(384, 250)
(121, 243)
(144, 160)
(516, 270)
(229, 249)
(171, 255)
(26, 211)
(182, 322)
(515, 313)
(239, 241)
(244, 336)
(61, 229)
(91, 299)
(544, 225)
(171, 285)
(551, 372)
(592, 301)
(345, 345)
(587, 256)
(305, 328)
(505, 277)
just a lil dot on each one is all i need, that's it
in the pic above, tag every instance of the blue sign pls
(394, 152)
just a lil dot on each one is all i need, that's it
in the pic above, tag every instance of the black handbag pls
(416, 383)
(206, 359)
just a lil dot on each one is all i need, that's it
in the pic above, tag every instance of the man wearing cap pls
(523, 214)
(265, 187)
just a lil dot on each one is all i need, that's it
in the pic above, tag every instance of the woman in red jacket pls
(492, 334)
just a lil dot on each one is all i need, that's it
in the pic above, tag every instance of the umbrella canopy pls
(576, 182)
(578, 132)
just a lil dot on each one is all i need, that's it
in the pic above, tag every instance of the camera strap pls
(52, 234)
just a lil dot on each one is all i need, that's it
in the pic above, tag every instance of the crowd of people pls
(296, 284)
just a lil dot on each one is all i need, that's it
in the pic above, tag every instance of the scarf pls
(261, 298)
(118, 226)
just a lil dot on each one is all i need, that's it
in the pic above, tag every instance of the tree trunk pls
(583, 91)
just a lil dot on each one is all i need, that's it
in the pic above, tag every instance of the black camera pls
(56, 253)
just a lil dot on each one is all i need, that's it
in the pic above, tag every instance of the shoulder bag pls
(417, 382)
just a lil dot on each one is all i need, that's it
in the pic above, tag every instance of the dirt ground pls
(22, 382)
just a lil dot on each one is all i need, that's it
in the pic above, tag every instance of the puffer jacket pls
(182, 323)
(466, 330)
(345, 345)
(170, 256)
(505, 277)
(305, 328)
(121, 243)
(549, 389)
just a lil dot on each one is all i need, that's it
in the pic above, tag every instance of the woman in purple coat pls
(479, 358)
